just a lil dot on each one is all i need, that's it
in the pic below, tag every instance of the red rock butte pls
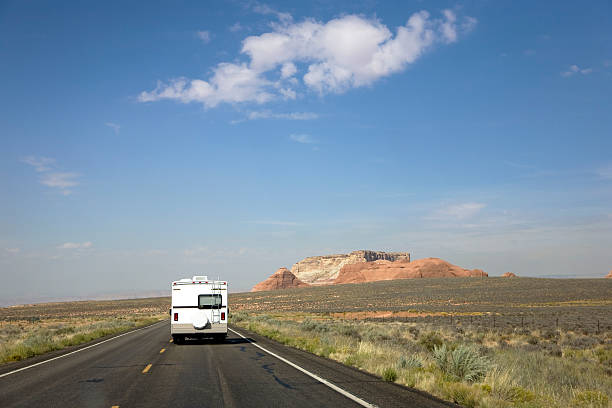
(421, 268)
(362, 266)
(609, 276)
(281, 279)
(509, 275)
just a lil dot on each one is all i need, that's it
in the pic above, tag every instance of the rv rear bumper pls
(187, 328)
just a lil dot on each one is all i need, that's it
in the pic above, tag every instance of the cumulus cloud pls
(332, 57)
(76, 245)
(13, 250)
(231, 83)
(288, 70)
(575, 69)
(204, 36)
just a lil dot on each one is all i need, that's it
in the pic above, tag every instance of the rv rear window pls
(209, 301)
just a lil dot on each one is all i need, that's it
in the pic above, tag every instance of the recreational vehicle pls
(199, 309)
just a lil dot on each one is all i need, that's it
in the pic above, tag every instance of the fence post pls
(521, 322)
(557, 323)
(493, 321)
(597, 326)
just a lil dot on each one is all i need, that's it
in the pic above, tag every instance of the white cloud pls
(575, 69)
(265, 10)
(288, 70)
(230, 83)
(13, 250)
(60, 180)
(266, 114)
(344, 53)
(116, 127)
(460, 211)
(302, 138)
(76, 245)
(235, 27)
(288, 93)
(204, 36)
(41, 164)
(448, 27)
(49, 178)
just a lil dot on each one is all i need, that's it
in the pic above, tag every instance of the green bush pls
(389, 374)
(461, 364)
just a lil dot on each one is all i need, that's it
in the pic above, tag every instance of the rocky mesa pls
(362, 266)
(323, 270)
(422, 268)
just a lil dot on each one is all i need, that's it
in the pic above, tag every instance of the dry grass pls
(476, 342)
(30, 330)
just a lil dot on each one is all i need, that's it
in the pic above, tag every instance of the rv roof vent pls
(200, 278)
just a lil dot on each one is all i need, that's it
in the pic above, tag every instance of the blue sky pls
(147, 142)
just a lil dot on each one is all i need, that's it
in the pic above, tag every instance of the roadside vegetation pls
(491, 342)
(465, 365)
(30, 330)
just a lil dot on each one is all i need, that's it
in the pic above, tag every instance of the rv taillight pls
(176, 317)
(222, 315)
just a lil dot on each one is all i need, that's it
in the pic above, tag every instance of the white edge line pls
(76, 351)
(308, 373)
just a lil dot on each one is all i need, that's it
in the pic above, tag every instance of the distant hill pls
(362, 266)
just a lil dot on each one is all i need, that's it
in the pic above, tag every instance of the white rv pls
(199, 309)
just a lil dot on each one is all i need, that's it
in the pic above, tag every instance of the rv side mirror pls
(170, 311)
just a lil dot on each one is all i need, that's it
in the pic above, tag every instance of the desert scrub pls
(25, 339)
(592, 399)
(472, 367)
(462, 363)
(389, 374)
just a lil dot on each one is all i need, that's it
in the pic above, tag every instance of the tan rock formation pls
(386, 270)
(281, 279)
(609, 275)
(508, 275)
(323, 270)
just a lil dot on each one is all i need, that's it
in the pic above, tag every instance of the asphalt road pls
(144, 369)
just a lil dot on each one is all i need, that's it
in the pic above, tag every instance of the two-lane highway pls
(144, 369)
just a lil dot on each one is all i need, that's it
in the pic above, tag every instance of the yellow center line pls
(162, 350)
(147, 368)
(171, 340)
(115, 406)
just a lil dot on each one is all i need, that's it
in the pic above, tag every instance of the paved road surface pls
(133, 371)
